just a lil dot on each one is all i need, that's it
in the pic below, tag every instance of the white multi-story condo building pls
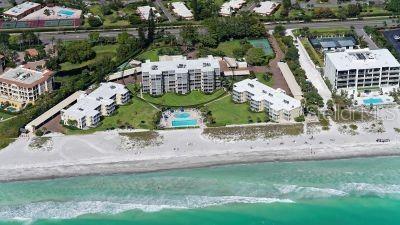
(277, 104)
(362, 68)
(22, 85)
(88, 109)
(180, 75)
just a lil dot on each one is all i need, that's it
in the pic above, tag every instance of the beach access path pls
(103, 153)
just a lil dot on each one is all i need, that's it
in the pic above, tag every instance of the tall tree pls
(393, 5)
(142, 36)
(195, 7)
(151, 27)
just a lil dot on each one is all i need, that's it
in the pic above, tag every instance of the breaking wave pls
(72, 209)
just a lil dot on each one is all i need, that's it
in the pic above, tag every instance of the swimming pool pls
(66, 12)
(184, 123)
(183, 119)
(373, 101)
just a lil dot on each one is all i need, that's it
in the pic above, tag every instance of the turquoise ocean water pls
(354, 191)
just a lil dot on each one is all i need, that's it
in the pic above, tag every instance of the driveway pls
(313, 75)
(361, 33)
(166, 12)
(279, 79)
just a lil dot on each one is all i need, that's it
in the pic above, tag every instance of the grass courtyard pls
(175, 100)
(227, 47)
(138, 114)
(225, 112)
(261, 77)
(101, 50)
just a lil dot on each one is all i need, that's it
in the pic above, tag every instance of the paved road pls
(313, 75)
(79, 35)
(361, 33)
(166, 12)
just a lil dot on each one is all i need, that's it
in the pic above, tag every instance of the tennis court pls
(263, 44)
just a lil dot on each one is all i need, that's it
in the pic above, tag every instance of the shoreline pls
(111, 152)
(178, 163)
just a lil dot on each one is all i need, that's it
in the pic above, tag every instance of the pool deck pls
(168, 117)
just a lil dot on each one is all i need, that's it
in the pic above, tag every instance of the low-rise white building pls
(89, 109)
(277, 104)
(266, 8)
(181, 10)
(362, 68)
(230, 7)
(144, 12)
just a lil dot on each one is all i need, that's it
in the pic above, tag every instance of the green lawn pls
(228, 46)
(150, 54)
(261, 78)
(225, 112)
(5, 115)
(138, 114)
(109, 20)
(101, 50)
(175, 100)
(328, 31)
(374, 11)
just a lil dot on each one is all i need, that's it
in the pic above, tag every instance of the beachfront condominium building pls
(89, 109)
(180, 75)
(362, 68)
(22, 85)
(21, 10)
(278, 105)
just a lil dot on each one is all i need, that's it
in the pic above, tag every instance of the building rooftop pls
(181, 10)
(25, 77)
(333, 42)
(54, 13)
(181, 65)
(107, 91)
(328, 44)
(260, 92)
(21, 8)
(226, 8)
(294, 87)
(144, 12)
(266, 7)
(86, 105)
(362, 58)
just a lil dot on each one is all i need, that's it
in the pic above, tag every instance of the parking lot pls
(389, 35)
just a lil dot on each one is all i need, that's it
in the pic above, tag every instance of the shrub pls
(95, 21)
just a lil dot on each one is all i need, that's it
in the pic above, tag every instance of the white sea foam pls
(366, 188)
(309, 192)
(72, 209)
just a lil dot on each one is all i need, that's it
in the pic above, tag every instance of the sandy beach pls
(110, 152)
